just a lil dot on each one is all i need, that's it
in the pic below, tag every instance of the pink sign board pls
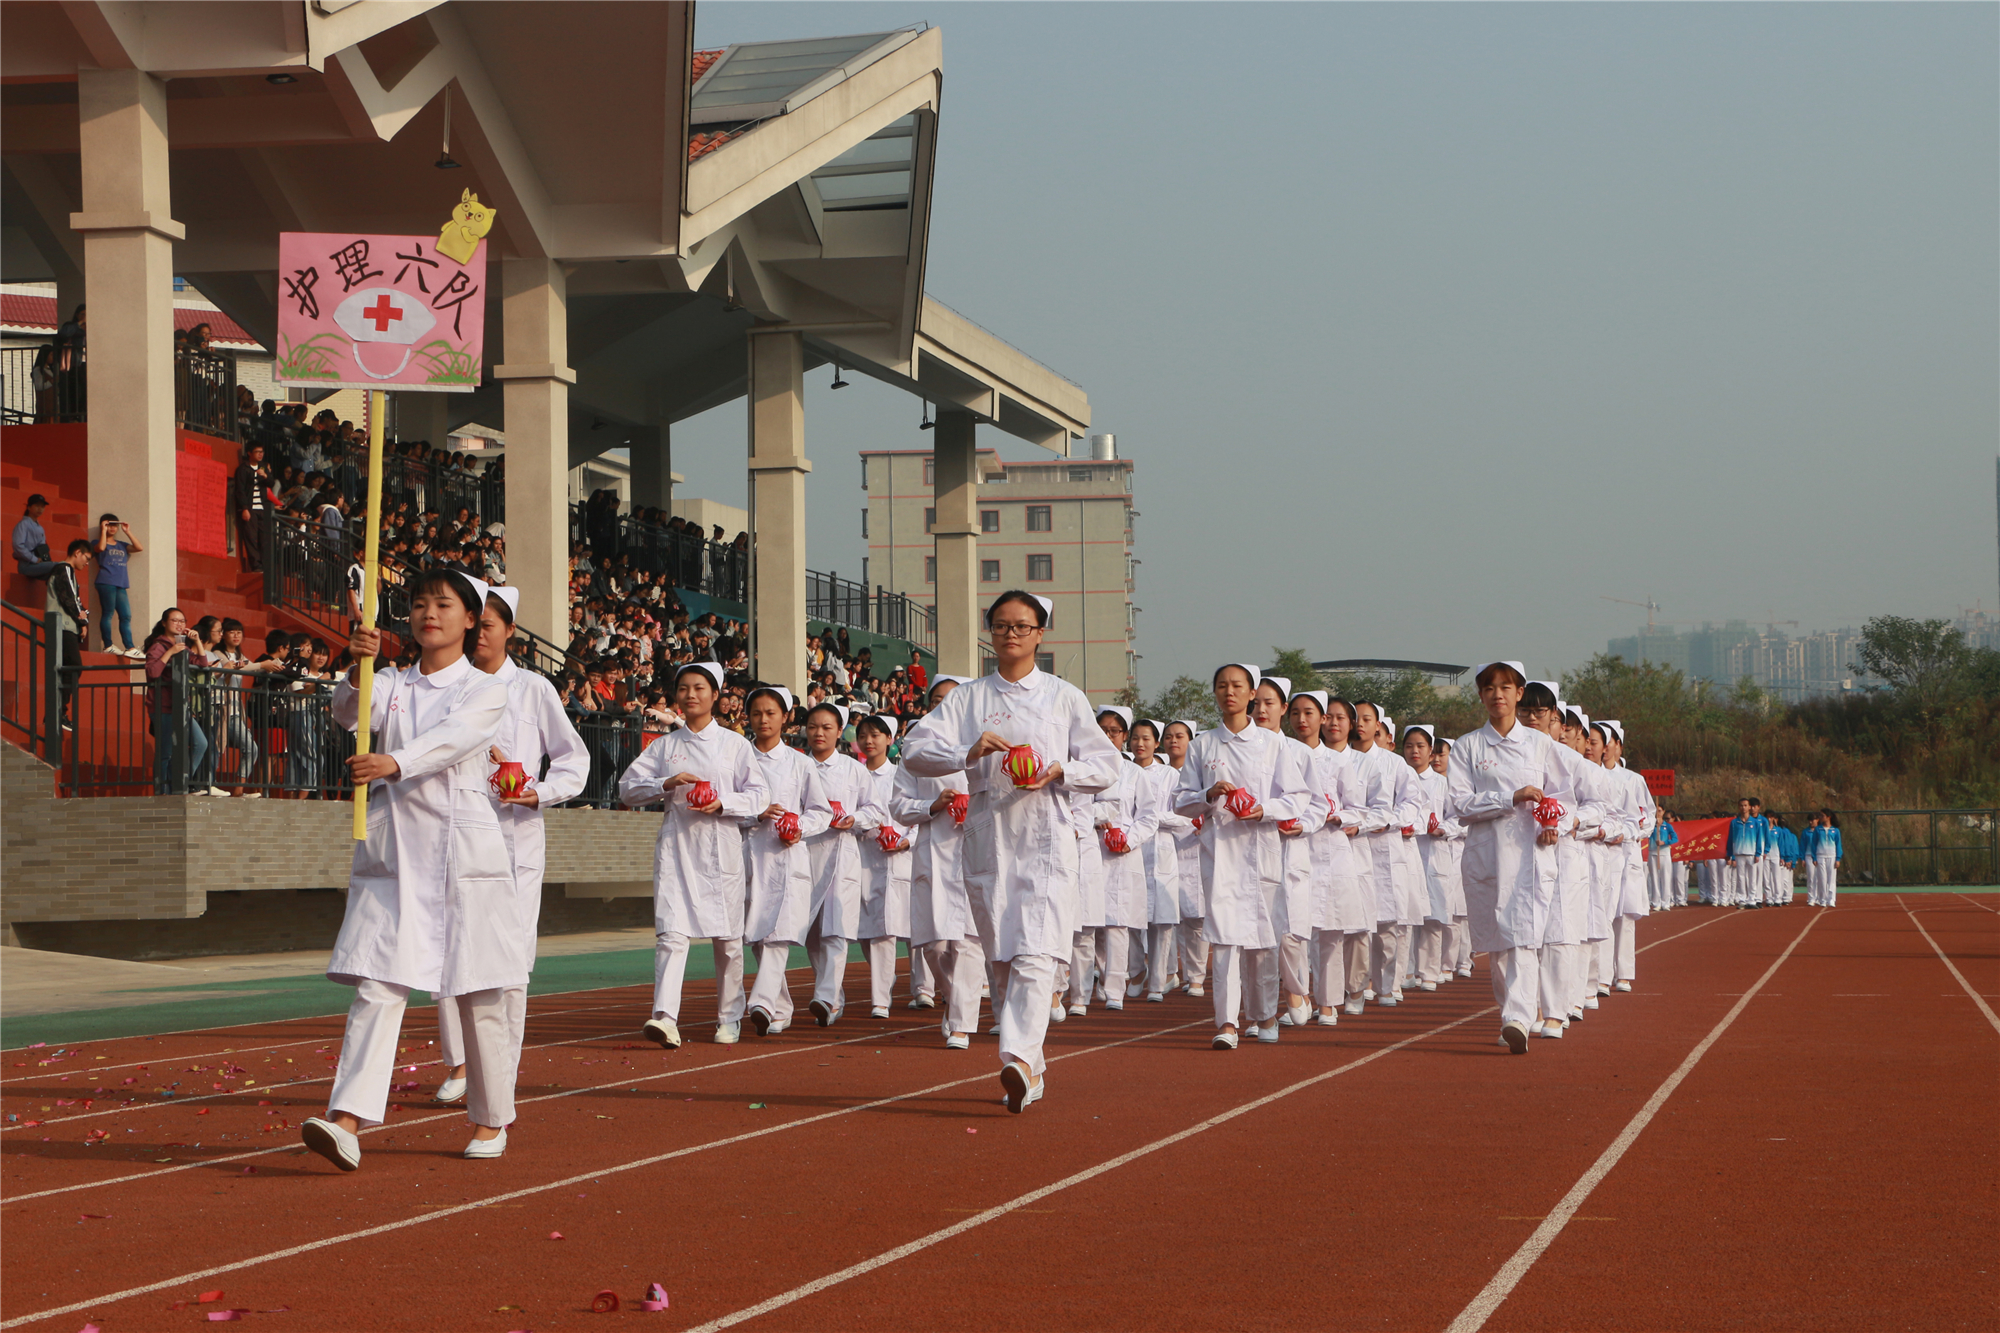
(358, 311)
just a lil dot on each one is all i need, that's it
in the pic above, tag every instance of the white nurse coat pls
(1162, 850)
(698, 888)
(885, 876)
(431, 900)
(1127, 804)
(1507, 879)
(940, 911)
(535, 726)
(1020, 846)
(780, 877)
(1239, 857)
(1346, 886)
(835, 855)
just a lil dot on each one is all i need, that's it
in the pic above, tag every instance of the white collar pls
(444, 677)
(1027, 682)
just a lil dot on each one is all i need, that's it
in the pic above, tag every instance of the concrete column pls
(955, 465)
(778, 470)
(534, 319)
(423, 416)
(653, 467)
(128, 246)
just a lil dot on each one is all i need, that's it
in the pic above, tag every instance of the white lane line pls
(1689, 931)
(1981, 906)
(324, 1242)
(1956, 975)
(455, 1112)
(922, 1243)
(1474, 1316)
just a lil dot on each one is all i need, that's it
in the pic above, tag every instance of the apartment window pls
(1045, 662)
(1041, 568)
(989, 571)
(989, 520)
(1039, 519)
(1079, 474)
(930, 519)
(930, 569)
(864, 524)
(930, 472)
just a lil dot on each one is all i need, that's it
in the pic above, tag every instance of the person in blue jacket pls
(1666, 882)
(1748, 840)
(1823, 867)
(1783, 855)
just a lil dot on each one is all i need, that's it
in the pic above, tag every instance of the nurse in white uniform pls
(1193, 965)
(776, 863)
(1020, 846)
(1123, 823)
(1294, 894)
(1386, 781)
(1349, 912)
(536, 728)
(1637, 815)
(431, 900)
(885, 847)
(1433, 834)
(835, 913)
(1451, 842)
(698, 888)
(1242, 781)
(941, 925)
(1162, 858)
(1496, 785)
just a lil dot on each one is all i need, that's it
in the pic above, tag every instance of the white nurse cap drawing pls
(383, 315)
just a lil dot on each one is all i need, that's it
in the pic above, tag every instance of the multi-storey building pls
(1060, 528)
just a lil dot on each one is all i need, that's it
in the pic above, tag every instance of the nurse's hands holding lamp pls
(991, 742)
(1253, 812)
(689, 780)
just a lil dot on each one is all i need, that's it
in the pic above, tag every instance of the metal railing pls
(51, 383)
(1916, 847)
(690, 561)
(845, 602)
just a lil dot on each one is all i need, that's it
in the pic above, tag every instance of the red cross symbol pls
(382, 312)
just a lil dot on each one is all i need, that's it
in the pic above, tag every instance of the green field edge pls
(280, 999)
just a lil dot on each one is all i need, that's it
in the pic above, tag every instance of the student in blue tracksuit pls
(1748, 840)
(1784, 854)
(1668, 888)
(1823, 863)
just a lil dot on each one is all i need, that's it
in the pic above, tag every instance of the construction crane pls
(1653, 609)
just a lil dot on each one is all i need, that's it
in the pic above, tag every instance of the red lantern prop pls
(886, 839)
(788, 828)
(1023, 765)
(701, 795)
(1550, 812)
(1116, 841)
(1240, 802)
(961, 802)
(1288, 826)
(511, 780)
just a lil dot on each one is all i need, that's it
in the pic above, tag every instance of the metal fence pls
(1894, 848)
(845, 602)
(51, 383)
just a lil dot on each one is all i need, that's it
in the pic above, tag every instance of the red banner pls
(1701, 840)
(202, 499)
(1659, 781)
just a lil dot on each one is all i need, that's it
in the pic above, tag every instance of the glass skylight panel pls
(758, 79)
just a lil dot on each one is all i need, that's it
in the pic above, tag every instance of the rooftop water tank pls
(1104, 447)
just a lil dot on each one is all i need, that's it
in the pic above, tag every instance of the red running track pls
(1826, 1162)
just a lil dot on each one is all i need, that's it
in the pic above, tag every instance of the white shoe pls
(1367, 992)
(824, 1014)
(662, 1032)
(1078, 1010)
(1196, 991)
(877, 1011)
(957, 1041)
(1551, 1028)
(252, 796)
(1389, 999)
(986, 991)
(1023, 1089)
(1267, 1033)
(1224, 1041)
(760, 1018)
(1398, 995)
(1250, 1031)
(1603, 989)
(1301, 1015)
(1514, 1037)
(1285, 1019)
(1427, 985)
(1624, 986)
(1156, 997)
(1575, 1014)
(218, 791)
(1465, 971)
(1354, 1008)
(1114, 1006)
(451, 1090)
(1056, 1013)
(493, 1147)
(1134, 989)
(727, 1034)
(1327, 1020)
(1097, 993)
(923, 1002)
(331, 1142)
(1590, 1002)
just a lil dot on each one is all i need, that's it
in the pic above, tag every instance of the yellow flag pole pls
(371, 568)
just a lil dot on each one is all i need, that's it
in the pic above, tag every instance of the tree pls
(1925, 661)
(1185, 698)
(1294, 665)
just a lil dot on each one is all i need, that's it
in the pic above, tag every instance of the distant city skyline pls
(1430, 326)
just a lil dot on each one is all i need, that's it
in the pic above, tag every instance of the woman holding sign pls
(430, 903)
(1028, 745)
(698, 866)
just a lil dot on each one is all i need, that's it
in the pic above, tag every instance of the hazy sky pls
(1429, 325)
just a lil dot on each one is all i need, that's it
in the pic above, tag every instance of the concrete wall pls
(157, 858)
